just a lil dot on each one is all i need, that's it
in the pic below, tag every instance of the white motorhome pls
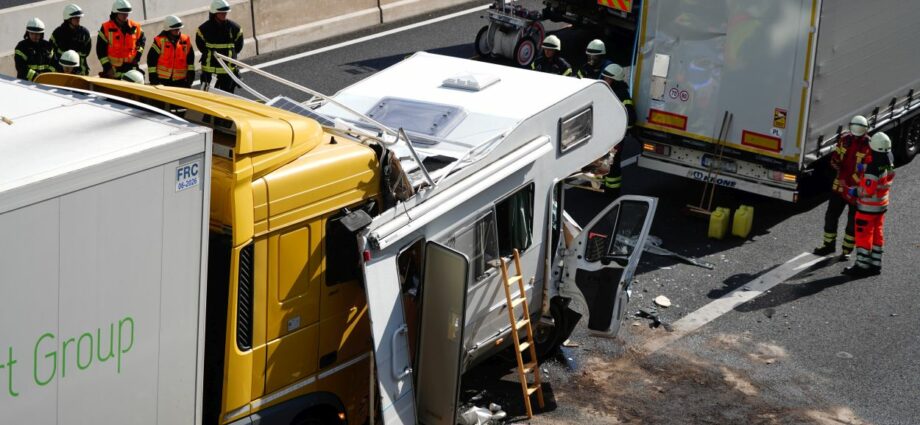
(495, 145)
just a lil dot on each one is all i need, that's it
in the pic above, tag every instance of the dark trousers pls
(225, 83)
(835, 207)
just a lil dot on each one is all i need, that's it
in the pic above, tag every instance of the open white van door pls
(600, 261)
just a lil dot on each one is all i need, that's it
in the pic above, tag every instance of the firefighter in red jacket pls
(852, 151)
(171, 60)
(871, 205)
(120, 42)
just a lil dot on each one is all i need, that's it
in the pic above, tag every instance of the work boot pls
(826, 249)
(858, 272)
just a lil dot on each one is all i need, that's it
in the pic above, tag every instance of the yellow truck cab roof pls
(281, 129)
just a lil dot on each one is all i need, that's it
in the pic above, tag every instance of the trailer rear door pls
(750, 57)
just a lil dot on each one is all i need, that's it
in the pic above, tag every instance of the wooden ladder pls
(531, 367)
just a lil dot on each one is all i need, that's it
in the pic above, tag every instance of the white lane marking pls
(369, 37)
(728, 302)
(629, 161)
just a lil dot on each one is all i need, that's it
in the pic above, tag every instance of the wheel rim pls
(525, 52)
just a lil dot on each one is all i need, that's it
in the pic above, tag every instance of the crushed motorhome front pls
(484, 151)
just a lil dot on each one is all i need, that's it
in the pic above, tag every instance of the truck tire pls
(525, 51)
(483, 45)
(906, 146)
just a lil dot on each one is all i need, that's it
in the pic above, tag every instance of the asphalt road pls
(817, 343)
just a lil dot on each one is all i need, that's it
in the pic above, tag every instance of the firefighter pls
(852, 150)
(615, 76)
(69, 63)
(219, 35)
(171, 59)
(871, 205)
(34, 55)
(133, 76)
(70, 35)
(120, 42)
(596, 63)
(552, 61)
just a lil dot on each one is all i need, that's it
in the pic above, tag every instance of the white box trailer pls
(791, 72)
(103, 241)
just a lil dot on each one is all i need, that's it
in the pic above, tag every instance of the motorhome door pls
(441, 334)
(600, 261)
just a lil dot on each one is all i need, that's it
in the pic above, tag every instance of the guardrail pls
(268, 25)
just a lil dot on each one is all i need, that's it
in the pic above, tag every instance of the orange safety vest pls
(172, 64)
(122, 47)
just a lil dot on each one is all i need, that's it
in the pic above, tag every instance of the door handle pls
(406, 370)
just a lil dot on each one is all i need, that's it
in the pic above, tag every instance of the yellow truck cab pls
(287, 336)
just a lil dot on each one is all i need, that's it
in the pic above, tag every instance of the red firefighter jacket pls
(851, 151)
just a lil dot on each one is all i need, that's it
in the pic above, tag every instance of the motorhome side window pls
(576, 128)
(514, 216)
(479, 242)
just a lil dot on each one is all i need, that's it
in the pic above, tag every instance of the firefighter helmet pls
(121, 6)
(134, 76)
(220, 6)
(614, 72)
(880, 142)
(35, 25)
(859, 125)
(69, 58)
(72, 11)
(173, 22)
(596, 47)
(552, 43)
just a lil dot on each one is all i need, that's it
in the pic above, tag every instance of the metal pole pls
(418, 159)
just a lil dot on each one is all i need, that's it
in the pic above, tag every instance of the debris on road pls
(569, 344)
(653, 246)
(662, 301)
(653, 315)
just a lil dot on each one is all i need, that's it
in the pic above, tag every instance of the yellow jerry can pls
(744, 219)
(718, 222)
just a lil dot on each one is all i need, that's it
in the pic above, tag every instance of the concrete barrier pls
(286, 23)
(268, 25)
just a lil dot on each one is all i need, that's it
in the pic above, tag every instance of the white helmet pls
(880, 142)
(35, 25)
(72, 11)
(552, 43)
(859, 125)
(615, 72)
(121, 6)
(596, 47)
(134, 76)
(220, 6)
(69, 58)
(173, 22)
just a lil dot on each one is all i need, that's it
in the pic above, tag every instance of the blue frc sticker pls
(188, 175)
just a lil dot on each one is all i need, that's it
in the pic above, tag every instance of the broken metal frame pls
(397, 134)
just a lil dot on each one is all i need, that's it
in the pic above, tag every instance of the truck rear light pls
(657, 149)
(783, 177)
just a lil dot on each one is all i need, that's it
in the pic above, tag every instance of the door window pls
(628, 228)
(479, 243)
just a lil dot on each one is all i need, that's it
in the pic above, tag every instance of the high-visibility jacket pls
(215, 37)
(78, 39)
(872, 195)
(171, 60)
(120, 47)
(32, 59)
(852, 153)
(555, 65)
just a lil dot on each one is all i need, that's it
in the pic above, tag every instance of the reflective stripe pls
(849, 237)
(104, 60)
(872, 209)
(31, 74)
(21, 54)
(156, 48)
(219, 46)
(862, 251)
(567, 72)
(876, 255)
(628, 102)
(848, 245)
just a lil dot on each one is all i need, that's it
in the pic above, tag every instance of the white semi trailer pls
(791, 73)
(103, 241)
